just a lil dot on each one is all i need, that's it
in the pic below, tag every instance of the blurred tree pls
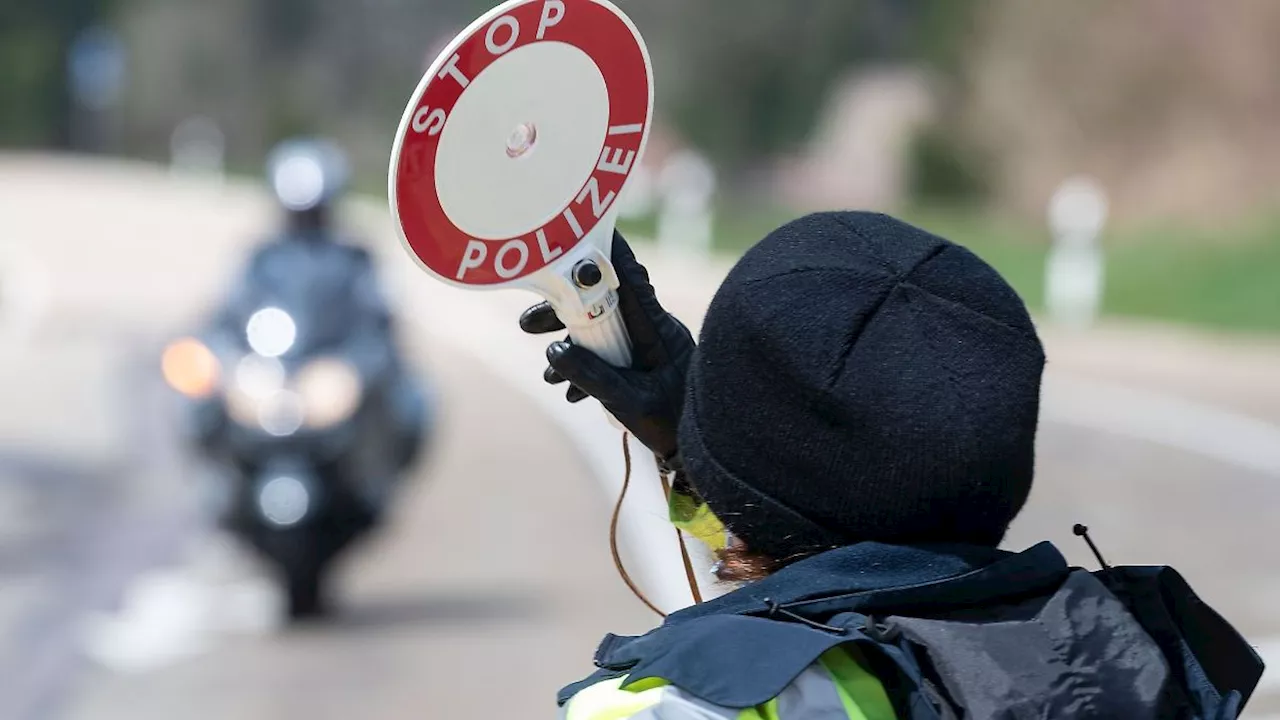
(34, 37)
(943, 32)
(745, 79)
(945, 168)
(946, 164)
(267, 69)
(1172, 105)
(284, 25)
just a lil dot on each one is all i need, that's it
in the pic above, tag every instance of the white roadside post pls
(506, 173)
(637, 199)
(1075, 269)
(687, 186)
(198, 147)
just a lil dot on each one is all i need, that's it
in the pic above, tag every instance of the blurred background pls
(1118, 162)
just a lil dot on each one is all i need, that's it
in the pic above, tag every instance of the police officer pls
(858, 419)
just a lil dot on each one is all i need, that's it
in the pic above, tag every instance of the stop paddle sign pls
(512, 152)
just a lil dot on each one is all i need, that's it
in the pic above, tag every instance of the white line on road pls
(24, 290)
(173, 614)
(1175, 422)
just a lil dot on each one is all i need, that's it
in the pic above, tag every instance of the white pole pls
(1074, 271)
(198, 147)
(637, 198)
(687, 185)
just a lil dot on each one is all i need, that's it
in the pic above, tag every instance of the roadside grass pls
(1224, 278)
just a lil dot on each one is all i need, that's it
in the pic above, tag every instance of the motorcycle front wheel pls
(303, 572)
(304, 587)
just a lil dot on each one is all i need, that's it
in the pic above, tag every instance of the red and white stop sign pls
(519, 139)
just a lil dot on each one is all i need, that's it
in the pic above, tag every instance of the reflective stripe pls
(656, 701)
(767, 711)
(813, 696)
(677, 704)
(837, 687)
(861, 692)
(608, 701)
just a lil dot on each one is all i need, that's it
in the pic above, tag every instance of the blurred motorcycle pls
(296, 392)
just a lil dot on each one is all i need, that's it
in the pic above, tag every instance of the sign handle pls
(584, 294)
(607, 338)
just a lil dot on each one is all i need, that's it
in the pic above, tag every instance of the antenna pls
(1083, 531)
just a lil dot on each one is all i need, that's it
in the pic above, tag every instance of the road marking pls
(24, 291)
(1223, 435)
(171, 615)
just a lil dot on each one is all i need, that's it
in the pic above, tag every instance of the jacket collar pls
(896, 573)
(867, 578)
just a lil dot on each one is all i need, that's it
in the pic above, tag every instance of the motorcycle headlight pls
(191, 368)
(281, 414)
(256, 380)
(270, 332)
(284, 500)
(330, 390)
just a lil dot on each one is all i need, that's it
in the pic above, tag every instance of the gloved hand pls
(646, 398)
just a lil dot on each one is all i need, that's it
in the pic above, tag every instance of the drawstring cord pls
(613, 535)
(775, 609)
(613, 530)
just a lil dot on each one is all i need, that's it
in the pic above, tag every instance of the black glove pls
(646, 398)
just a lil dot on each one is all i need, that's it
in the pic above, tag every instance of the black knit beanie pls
(858, 378)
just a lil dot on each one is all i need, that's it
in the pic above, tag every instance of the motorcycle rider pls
(309, 177)
(299, 397)
(856, 429)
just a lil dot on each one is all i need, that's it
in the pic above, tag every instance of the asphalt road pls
(493, 583)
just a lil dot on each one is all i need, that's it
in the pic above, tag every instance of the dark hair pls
(738, 564)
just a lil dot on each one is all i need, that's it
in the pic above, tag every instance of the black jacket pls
(958, 631)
